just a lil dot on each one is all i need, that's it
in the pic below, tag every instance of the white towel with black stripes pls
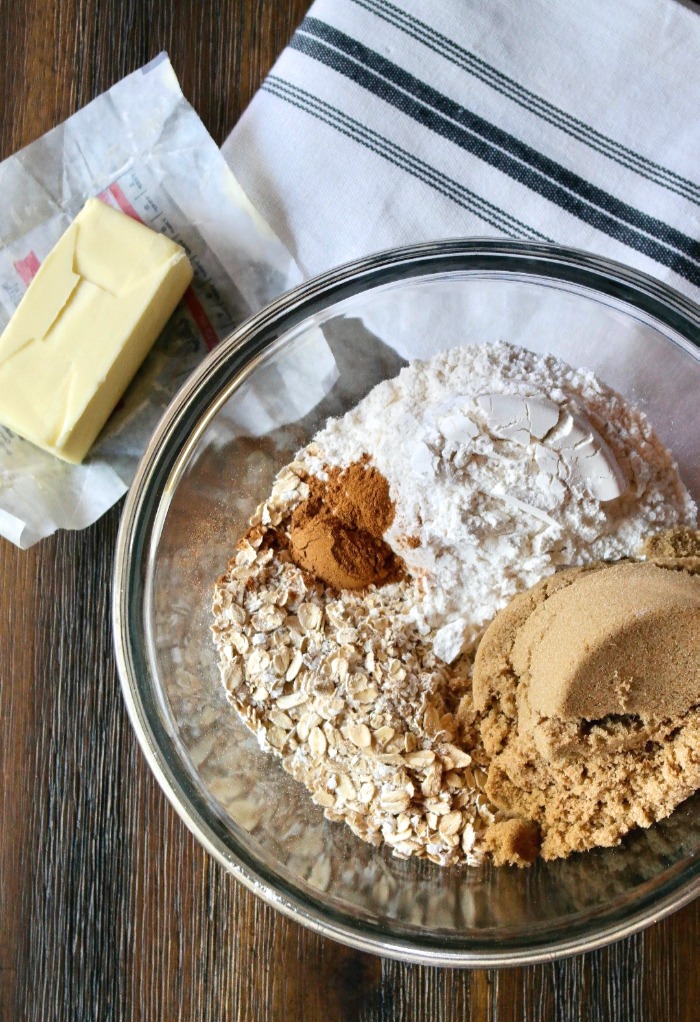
(574, 121)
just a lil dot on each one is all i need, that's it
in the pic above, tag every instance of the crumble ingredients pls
(344, 689)
(308, 668)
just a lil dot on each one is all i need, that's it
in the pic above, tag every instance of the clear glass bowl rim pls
(184, 421)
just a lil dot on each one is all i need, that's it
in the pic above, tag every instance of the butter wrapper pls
(141, 148)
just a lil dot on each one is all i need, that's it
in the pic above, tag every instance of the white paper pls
(142, 148)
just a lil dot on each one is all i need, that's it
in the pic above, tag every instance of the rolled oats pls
(343, 688)
(360, 735)
(317, 742)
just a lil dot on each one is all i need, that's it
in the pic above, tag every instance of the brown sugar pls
(680, 542)
(587, 690)
(625, 639)
(676, 548)
(337, 532)
(513, 842)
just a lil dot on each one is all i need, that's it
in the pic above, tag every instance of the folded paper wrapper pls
(141, 148)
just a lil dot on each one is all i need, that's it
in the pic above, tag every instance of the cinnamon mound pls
(336, 533)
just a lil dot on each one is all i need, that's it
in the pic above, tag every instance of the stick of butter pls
(84, 326)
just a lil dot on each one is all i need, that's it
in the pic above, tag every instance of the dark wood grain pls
(108, 907)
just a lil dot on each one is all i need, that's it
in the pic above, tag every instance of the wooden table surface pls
(108, 907)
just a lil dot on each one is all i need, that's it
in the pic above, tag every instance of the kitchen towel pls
(572, 121)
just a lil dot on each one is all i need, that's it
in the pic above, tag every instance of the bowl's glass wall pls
(322, 367)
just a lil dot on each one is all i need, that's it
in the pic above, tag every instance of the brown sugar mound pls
(624, 639)
(588, 693)
(336, 533)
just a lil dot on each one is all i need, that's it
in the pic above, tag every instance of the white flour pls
(494, 494)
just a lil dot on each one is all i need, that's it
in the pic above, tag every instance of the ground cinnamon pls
(337, 532)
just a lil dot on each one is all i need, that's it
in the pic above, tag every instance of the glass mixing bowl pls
(255, 400)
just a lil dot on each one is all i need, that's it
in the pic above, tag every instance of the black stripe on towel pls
(426, 106)
(467, 61)
(400, 158)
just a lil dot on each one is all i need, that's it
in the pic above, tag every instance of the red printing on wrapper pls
(209, 334)
(28, 267)
(114, 196)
